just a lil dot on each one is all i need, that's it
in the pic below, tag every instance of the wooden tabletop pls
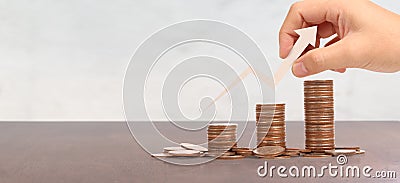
(52, 152)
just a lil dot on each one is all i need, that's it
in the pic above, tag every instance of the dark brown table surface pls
(51, 152)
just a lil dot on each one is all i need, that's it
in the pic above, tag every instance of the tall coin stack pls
(319, 115)
(221, 137)
(270, 123)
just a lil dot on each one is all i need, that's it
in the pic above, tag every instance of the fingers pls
(326, 29)
(341, 70)
(332, 41)
(315, 61)
(312, 12)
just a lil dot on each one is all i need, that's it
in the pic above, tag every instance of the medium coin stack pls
(270, 123)
(221, 137)
(319, 115)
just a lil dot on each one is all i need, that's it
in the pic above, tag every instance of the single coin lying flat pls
(194, 147)
(337, 152)
(167, 149)
(350, 148)
(185, 153)
(282, 157)
(231, 157)
(360, 151)
(317, 155)
(160, 155)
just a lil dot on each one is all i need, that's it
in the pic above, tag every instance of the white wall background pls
(65, 59)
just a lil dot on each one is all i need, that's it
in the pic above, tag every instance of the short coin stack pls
(221, 138)
(319, 115)
(270, 122)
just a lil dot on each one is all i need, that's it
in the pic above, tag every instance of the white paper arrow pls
(307, 36)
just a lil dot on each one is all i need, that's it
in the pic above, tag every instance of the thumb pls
(315, 61)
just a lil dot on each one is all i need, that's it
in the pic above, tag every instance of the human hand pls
(368, 36)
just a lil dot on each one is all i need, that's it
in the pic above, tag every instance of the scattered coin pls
(246, 154)
(167, 149)
(265, 157)
(360, 151)
(161, 155)
(305, 151)
(351, 148)
(292, 153)
(337, 152)
(233, 157)
(269, 150)
(194, 147)
(265, 152)
(313, 155)
(282, 157)
(242, 149)
(183, 153)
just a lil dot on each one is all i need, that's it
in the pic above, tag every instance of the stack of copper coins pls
(319, 115)
(221, 138)
(270, 122)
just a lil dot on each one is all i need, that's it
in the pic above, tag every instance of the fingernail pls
(299, 69)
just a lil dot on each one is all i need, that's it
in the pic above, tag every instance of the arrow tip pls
(309, 34)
